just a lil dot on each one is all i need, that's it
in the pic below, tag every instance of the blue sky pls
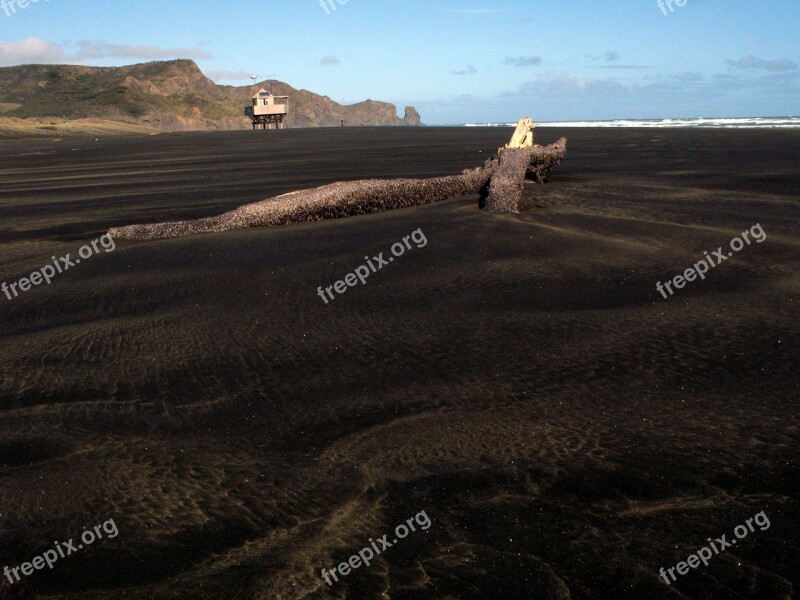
(457, 61)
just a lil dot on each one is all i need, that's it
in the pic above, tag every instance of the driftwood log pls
(523, 134)
(514, 166)
(499, 182)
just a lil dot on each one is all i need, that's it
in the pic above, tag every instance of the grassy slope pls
(80, 92)
(11, 127)
(161, 93)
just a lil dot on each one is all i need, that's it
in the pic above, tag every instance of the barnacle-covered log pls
(344, 199)
(508, 180)
(544, 158)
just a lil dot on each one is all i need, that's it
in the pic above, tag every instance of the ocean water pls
(732, 123)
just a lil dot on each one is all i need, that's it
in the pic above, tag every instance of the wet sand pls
(567, 430)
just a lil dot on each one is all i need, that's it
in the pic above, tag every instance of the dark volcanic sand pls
(519, 379)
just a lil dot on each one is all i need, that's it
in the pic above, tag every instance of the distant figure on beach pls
(342, 122)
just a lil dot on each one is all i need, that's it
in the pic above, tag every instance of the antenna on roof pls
(254, 77)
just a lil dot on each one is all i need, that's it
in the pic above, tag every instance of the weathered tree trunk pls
(508, 167)
(508, 180)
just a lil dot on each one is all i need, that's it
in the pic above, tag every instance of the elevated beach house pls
(267, 110)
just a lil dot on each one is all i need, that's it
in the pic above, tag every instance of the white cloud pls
(523, 61)
(474, 11)
(330, 60)
(663, 87)
(94, 50)
(608, 56)
(623, 67)
(34, 50)
(31, 51)
(563, 84)
(225, 75)
(470, 70)
(753, 62)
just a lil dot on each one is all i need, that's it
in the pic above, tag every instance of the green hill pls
(171, 96)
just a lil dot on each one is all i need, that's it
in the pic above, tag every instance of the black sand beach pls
(568, 431)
